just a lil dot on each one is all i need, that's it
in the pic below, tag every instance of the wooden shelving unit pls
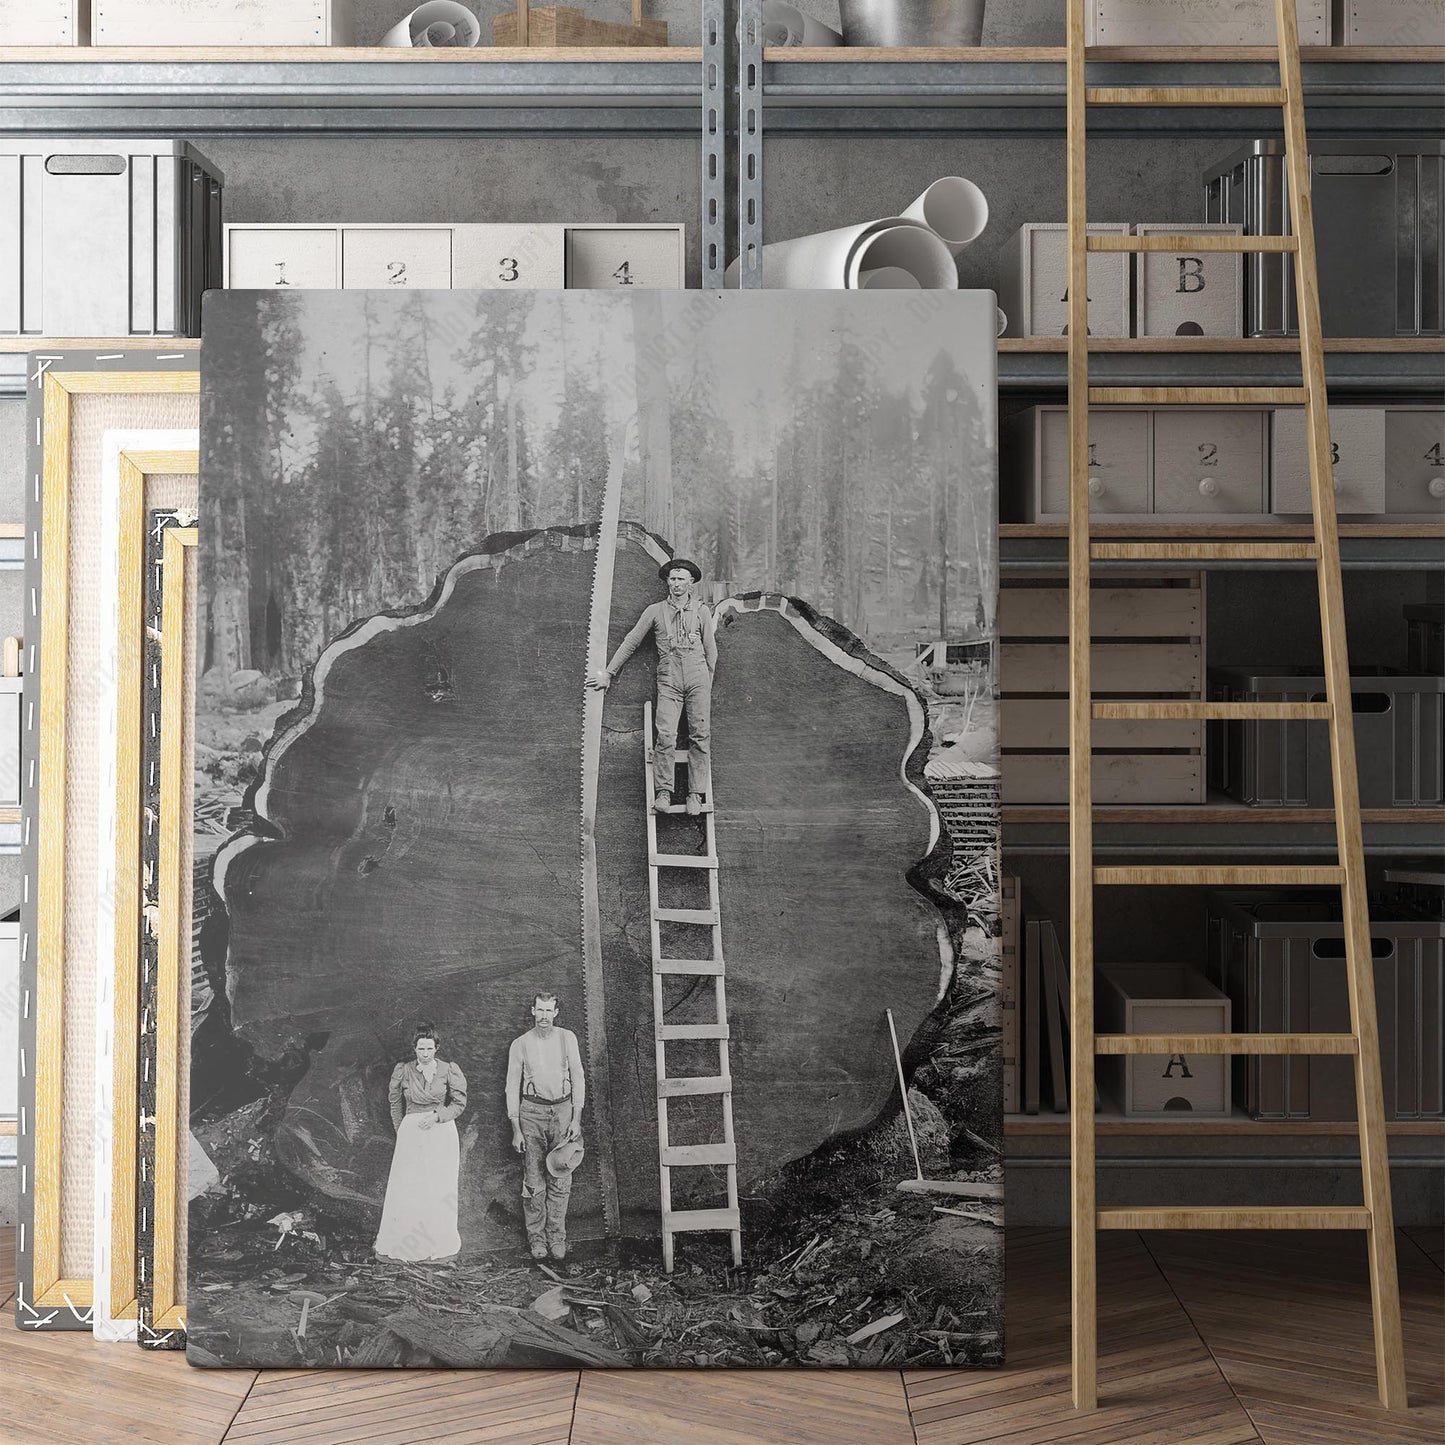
(1037, 1126)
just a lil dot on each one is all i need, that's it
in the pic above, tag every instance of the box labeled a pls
(1189, 292)
(1033, 281)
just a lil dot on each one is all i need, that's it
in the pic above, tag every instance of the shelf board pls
(1264, 529)
(1219, 812)
(200, 90)
(1024, 1126)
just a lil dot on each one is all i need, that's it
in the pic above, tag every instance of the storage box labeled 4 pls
(1163, 998)
(1189, 293)
(106, 237)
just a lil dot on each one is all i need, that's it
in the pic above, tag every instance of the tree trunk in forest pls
(654, 421)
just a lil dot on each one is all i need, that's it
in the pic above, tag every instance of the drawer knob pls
(1437, 486)
(1096, 485)
(1208, 487)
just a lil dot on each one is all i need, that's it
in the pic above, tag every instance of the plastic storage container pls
(1280, 958)
(1425, 637)
(1399, 739)
(1377, 212)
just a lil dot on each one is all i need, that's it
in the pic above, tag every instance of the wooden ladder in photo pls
(1362, 1042)
(689, 1156)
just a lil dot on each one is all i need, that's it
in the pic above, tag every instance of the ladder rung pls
(1184, 241)
(1198, 395)
(679, 1156)
(682, 1088)
(1206, 551)
(668, 1032)
(685, 915)
(1185, 95)
(677, 1220)
(1157, 711)
(1226, 1044)
(707, 967)
(682, 860)
(1224, 1217)
(1236, 877)
(682, 808)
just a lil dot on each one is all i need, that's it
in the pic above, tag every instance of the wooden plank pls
(1040, 610)
(1226, 1044)
(1186, 95)
(1172, 779)
(1198, 395)
(1161, 710)
(682, 860)
(682, 1220)
(1263, 876)
(1128, 667)
(704, 967)
(1213, 1216)
(684, 1155)
(683, 1088)
(1158, 241)
(1043, 722)
(1206, 551)
(702, 916)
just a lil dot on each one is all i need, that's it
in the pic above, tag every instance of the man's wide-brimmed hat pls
(564, 1158)
(680, 562)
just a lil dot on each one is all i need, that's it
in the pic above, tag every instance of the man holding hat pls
(545, 1093)
(682, 630)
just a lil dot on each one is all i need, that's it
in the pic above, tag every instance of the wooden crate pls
(1148, 643)
(554, 26)
(1009, 988)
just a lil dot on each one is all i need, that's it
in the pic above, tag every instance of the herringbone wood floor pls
(1204, 1340)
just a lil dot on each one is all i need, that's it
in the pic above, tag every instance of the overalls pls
(683, 680)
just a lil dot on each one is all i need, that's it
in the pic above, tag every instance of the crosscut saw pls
(599, 1091)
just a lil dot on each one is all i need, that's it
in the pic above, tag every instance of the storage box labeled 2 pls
(1033, 282)
(1189, 293)
(106, 237)
(1156, 998)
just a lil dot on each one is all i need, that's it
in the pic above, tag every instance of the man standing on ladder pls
(682, 629)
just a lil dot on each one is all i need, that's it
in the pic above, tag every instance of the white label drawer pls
(1200, 22)
(1357, 445)
(387, 257)
(1190, 293)
(508, 257)
(1118, 462)
(278, 256)
(1208, 462)
(607, 256)
(1414, 459)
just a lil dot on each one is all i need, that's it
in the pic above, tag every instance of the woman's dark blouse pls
(410, 1093)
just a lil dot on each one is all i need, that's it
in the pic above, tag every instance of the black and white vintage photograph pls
(596, 832)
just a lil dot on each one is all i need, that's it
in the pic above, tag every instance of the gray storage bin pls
(1425, 637)
(1280, 958)
(1399, 739)
(106, 238)
(1377, 211)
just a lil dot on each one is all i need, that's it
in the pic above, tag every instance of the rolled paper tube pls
(904, 246)
(888, 278)
(786, 25)
(437, 25)
(954, 209)
(1002, 320)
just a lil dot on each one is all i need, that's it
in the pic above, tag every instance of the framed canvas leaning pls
(589, 682)
(75, 399)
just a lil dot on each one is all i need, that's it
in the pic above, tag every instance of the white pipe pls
(786, 25)
(437, 25)
(888, 278)
(954, 208)
(834, 260)
(906, 246)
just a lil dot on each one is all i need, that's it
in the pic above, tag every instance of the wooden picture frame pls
(164, 934)
(74, 398)
(142, 469)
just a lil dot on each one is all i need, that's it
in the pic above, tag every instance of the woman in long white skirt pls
(419, 1218)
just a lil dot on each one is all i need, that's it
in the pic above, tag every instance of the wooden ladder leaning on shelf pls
(724, 1152)
(1376, 1217)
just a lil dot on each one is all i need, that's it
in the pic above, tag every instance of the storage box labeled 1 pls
(43, 22)
(1415, 460)
(1200, 22)
(106, 237)
(1357, 455)
(1189, 293)
(220, 22)
(1036, 458)
(265, 258)
(1033, 287)
(1389, 22)
(1153, 998)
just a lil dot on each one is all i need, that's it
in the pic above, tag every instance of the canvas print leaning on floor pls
(596, 774)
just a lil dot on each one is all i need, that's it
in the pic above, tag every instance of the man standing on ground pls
(545, 1093)
(682, 629)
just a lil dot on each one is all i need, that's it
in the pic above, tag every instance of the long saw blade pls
(599, 1093)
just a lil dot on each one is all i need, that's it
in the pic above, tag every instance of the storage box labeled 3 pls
(1357, 452)
(1415, 460)
(106, 237)
(220, 22)
(1189, 293)
(1033, 282)
(1157, 998)
(1200, 22)
(509, 257)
